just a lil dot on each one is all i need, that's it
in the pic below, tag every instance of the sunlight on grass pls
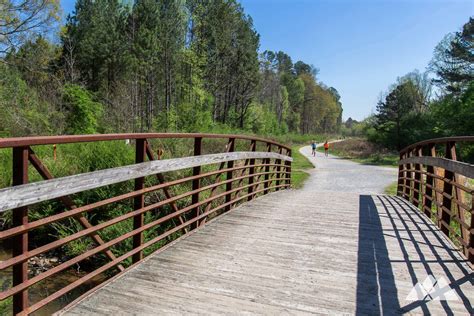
(391, 189)
(299, 165)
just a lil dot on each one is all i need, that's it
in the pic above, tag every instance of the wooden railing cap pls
(27, 194)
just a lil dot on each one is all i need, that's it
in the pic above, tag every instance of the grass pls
(299, 165)
(391, 189)
(363, 151)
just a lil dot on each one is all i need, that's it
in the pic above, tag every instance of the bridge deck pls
(294, 252)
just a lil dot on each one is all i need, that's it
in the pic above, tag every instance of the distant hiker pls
(313, 147)
(326, 148)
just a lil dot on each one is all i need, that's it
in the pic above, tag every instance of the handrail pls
(441, 140)
(458, 167)
(32, 193)
(68, 139)
(439, 187)
(230, 178)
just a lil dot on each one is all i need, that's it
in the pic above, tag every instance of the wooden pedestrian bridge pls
(208, 224)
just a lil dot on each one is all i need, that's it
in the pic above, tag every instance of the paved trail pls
(334, 174)
(333, 247)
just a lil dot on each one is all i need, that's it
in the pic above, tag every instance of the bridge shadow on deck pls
(417, 249)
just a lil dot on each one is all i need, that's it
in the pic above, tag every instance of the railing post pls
(457, 194)
(400, 176)
(406, 181)
(230, 165)
(412, 177)
(470, 245)
(196, 182)
(278, 169)
(288, 168)
(139, 200)
(447, 188)
(430, 184)
(417, 182)
(253, 147)
(20, 217)
(267, 169)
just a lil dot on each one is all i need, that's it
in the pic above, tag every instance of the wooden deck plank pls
(269, 257)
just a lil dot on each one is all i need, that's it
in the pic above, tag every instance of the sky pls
(360, 47)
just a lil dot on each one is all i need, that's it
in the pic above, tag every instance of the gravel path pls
(340, 175)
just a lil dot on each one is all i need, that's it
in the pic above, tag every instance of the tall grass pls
(363, 151)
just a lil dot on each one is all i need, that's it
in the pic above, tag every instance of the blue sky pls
(360, 47)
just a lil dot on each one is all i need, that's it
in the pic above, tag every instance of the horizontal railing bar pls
(452, 182)
(454, 217)
(438, 141)
(458, 167)
(113, 263)
(454, 234)
(441, 192)
(98, 249)
(441, 206)
(67, 139)
(87, 208)
(27, 194)
(53, 245)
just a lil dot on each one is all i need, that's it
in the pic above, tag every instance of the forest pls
(138, 66)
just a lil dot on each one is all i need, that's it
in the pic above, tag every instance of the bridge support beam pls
(430, 185)
(418, 182)
(196, 182)
(288, 167)
(448, 188)
(267, 169)
(20, 217)
(253, 147)
(470, 249)
(230, 165)
(139, 201)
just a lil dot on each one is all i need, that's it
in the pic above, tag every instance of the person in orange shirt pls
(326, 148)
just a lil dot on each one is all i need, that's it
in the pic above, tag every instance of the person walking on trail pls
(313, 148)
(326, 148)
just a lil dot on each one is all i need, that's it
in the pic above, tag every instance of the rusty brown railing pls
(433, 180)
(244, 173)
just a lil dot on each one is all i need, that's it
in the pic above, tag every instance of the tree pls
(97, 30)
(21, 19)
(453, 60)
(394, 112)
(83, 112)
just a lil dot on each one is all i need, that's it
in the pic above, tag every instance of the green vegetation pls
(363, 151)
(419, 107)
(139, 66)
(298, 168)
(391, 189)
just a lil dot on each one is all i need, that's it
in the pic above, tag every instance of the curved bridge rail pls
(431, 178)
(247, 174)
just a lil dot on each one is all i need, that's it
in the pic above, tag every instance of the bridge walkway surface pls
(338, 245)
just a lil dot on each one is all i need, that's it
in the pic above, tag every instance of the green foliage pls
(391, 189)
(299, 168)
(83, 112)
(453, 60)
(365, 152)
(455, 115)
(22, 112)
(24, 19)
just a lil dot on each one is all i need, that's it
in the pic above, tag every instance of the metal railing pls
(433, 180)
(246, 174)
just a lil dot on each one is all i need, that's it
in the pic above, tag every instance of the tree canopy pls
(161, 65)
